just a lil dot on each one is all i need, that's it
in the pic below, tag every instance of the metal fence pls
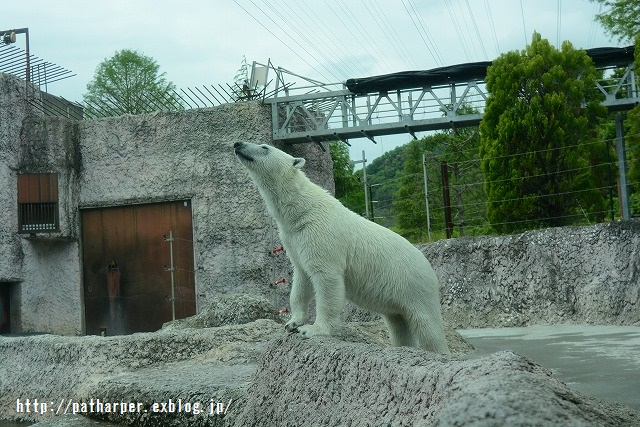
(447, 198)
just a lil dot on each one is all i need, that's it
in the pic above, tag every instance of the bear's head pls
(266, 161)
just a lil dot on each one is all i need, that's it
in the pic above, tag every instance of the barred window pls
(38, 203)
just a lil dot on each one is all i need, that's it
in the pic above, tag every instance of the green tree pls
(409, 201)
(349, 189)
(459, 150)
(620, 19)
(537, 137)
(384, 175)
(129, 83)
(343, 175)
(633, 140)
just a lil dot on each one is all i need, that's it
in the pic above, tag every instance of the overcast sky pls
(199, 42)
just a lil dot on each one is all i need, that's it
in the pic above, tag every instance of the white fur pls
(338, 255)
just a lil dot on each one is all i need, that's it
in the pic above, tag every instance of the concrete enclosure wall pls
(557, 275)
(133, 160)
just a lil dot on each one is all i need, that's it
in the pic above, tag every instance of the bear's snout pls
(239, 149)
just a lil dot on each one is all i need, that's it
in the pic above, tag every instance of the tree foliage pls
(633, 134)
(409, 203)
(459, 149)
(620, 19)
(537, 137)
(348, 187)
(129, 83)
(343, 176)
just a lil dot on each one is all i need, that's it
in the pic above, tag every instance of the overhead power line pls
(475, 26)
(524, 25)
(391, 33)
(287, 45)
(492, 26)
(429, 44)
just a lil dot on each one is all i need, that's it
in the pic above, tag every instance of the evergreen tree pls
(538, 135)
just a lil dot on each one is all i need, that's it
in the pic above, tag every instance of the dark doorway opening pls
(5, 308)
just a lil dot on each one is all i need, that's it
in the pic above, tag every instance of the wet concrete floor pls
(600, 361)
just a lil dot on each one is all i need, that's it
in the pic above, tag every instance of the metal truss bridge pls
(409, 102)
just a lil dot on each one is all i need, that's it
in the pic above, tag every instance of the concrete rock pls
(557, 275)
(327, 382)
(51, 368)
(229, 309)
(255, 374)
(73, 421)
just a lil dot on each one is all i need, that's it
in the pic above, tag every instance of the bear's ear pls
(298, 162)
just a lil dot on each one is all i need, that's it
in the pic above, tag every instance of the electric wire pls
(524, 25)
(559, 25)
(283, 13)
(475, 25)
(456, 25)
(278, 38)
(492, 26)
(365, 35)
(425, 29)
(431, 51)
(597, 9)
(330, 40)
(467, 32)
(392, 35)
(348, 27)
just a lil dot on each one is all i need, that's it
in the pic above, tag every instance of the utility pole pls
(426, 194)
(447, 199)
(364, 178)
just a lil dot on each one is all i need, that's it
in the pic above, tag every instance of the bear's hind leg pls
(399, 331)
(429, 332)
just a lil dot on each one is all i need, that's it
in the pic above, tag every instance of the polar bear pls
(338, 255)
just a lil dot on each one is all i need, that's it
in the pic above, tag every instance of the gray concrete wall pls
(189, 155)
(130, 160)
(42, 272)
(13, 110)
(557, 275)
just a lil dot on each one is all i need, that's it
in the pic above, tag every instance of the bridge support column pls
(623, 191)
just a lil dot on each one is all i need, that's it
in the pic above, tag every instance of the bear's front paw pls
(292, 325)
(307, 331)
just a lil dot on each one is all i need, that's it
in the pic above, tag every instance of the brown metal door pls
(127, 287)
